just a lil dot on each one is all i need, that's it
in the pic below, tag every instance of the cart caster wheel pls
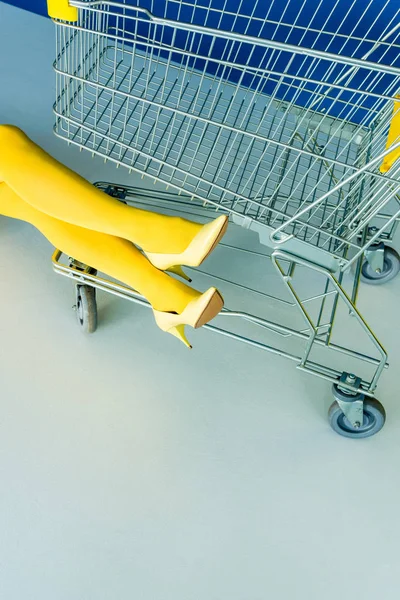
(374, 420)
(86, 308)
(391, 266)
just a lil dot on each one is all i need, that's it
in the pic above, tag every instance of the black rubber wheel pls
(374, 420)
(86, 308)
(391, 266)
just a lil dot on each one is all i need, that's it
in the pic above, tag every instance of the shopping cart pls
(283, 115)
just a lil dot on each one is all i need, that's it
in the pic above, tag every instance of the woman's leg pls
(112, 255)
(52, 188)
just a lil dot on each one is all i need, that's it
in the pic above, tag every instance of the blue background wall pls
(36, 6)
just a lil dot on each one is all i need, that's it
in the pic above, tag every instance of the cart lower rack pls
(309, 317)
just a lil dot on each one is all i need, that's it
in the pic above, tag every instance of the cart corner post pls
(61, 10)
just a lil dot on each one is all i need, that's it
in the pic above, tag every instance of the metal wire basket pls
(222, 105)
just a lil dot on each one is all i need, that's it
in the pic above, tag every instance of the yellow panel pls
(394, 136)
(60, 9)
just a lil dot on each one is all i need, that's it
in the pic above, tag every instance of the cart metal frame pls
(281, 121)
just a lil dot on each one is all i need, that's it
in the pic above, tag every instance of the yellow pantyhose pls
(52, 188)
(110, 254)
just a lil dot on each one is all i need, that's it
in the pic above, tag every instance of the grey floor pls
(132, 468)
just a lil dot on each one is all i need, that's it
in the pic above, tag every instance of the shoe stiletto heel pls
(177, 270)
(179, 332)
(196, 314)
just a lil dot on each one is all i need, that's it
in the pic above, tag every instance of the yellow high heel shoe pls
(196, 314)
(197, 251)
(177, 270)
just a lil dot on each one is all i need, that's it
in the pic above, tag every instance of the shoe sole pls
(211, 310)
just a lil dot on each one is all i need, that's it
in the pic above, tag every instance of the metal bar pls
(336, 188)
(244, 38)
(248, 68)
(127, 293)
(364, 325)
(356, 173)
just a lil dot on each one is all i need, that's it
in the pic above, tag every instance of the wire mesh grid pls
(279, 133)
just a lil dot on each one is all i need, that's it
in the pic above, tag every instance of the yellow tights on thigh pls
(53, 189)
(110, 254)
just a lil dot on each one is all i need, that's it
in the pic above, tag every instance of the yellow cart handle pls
(60, 9)
(393, 136)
